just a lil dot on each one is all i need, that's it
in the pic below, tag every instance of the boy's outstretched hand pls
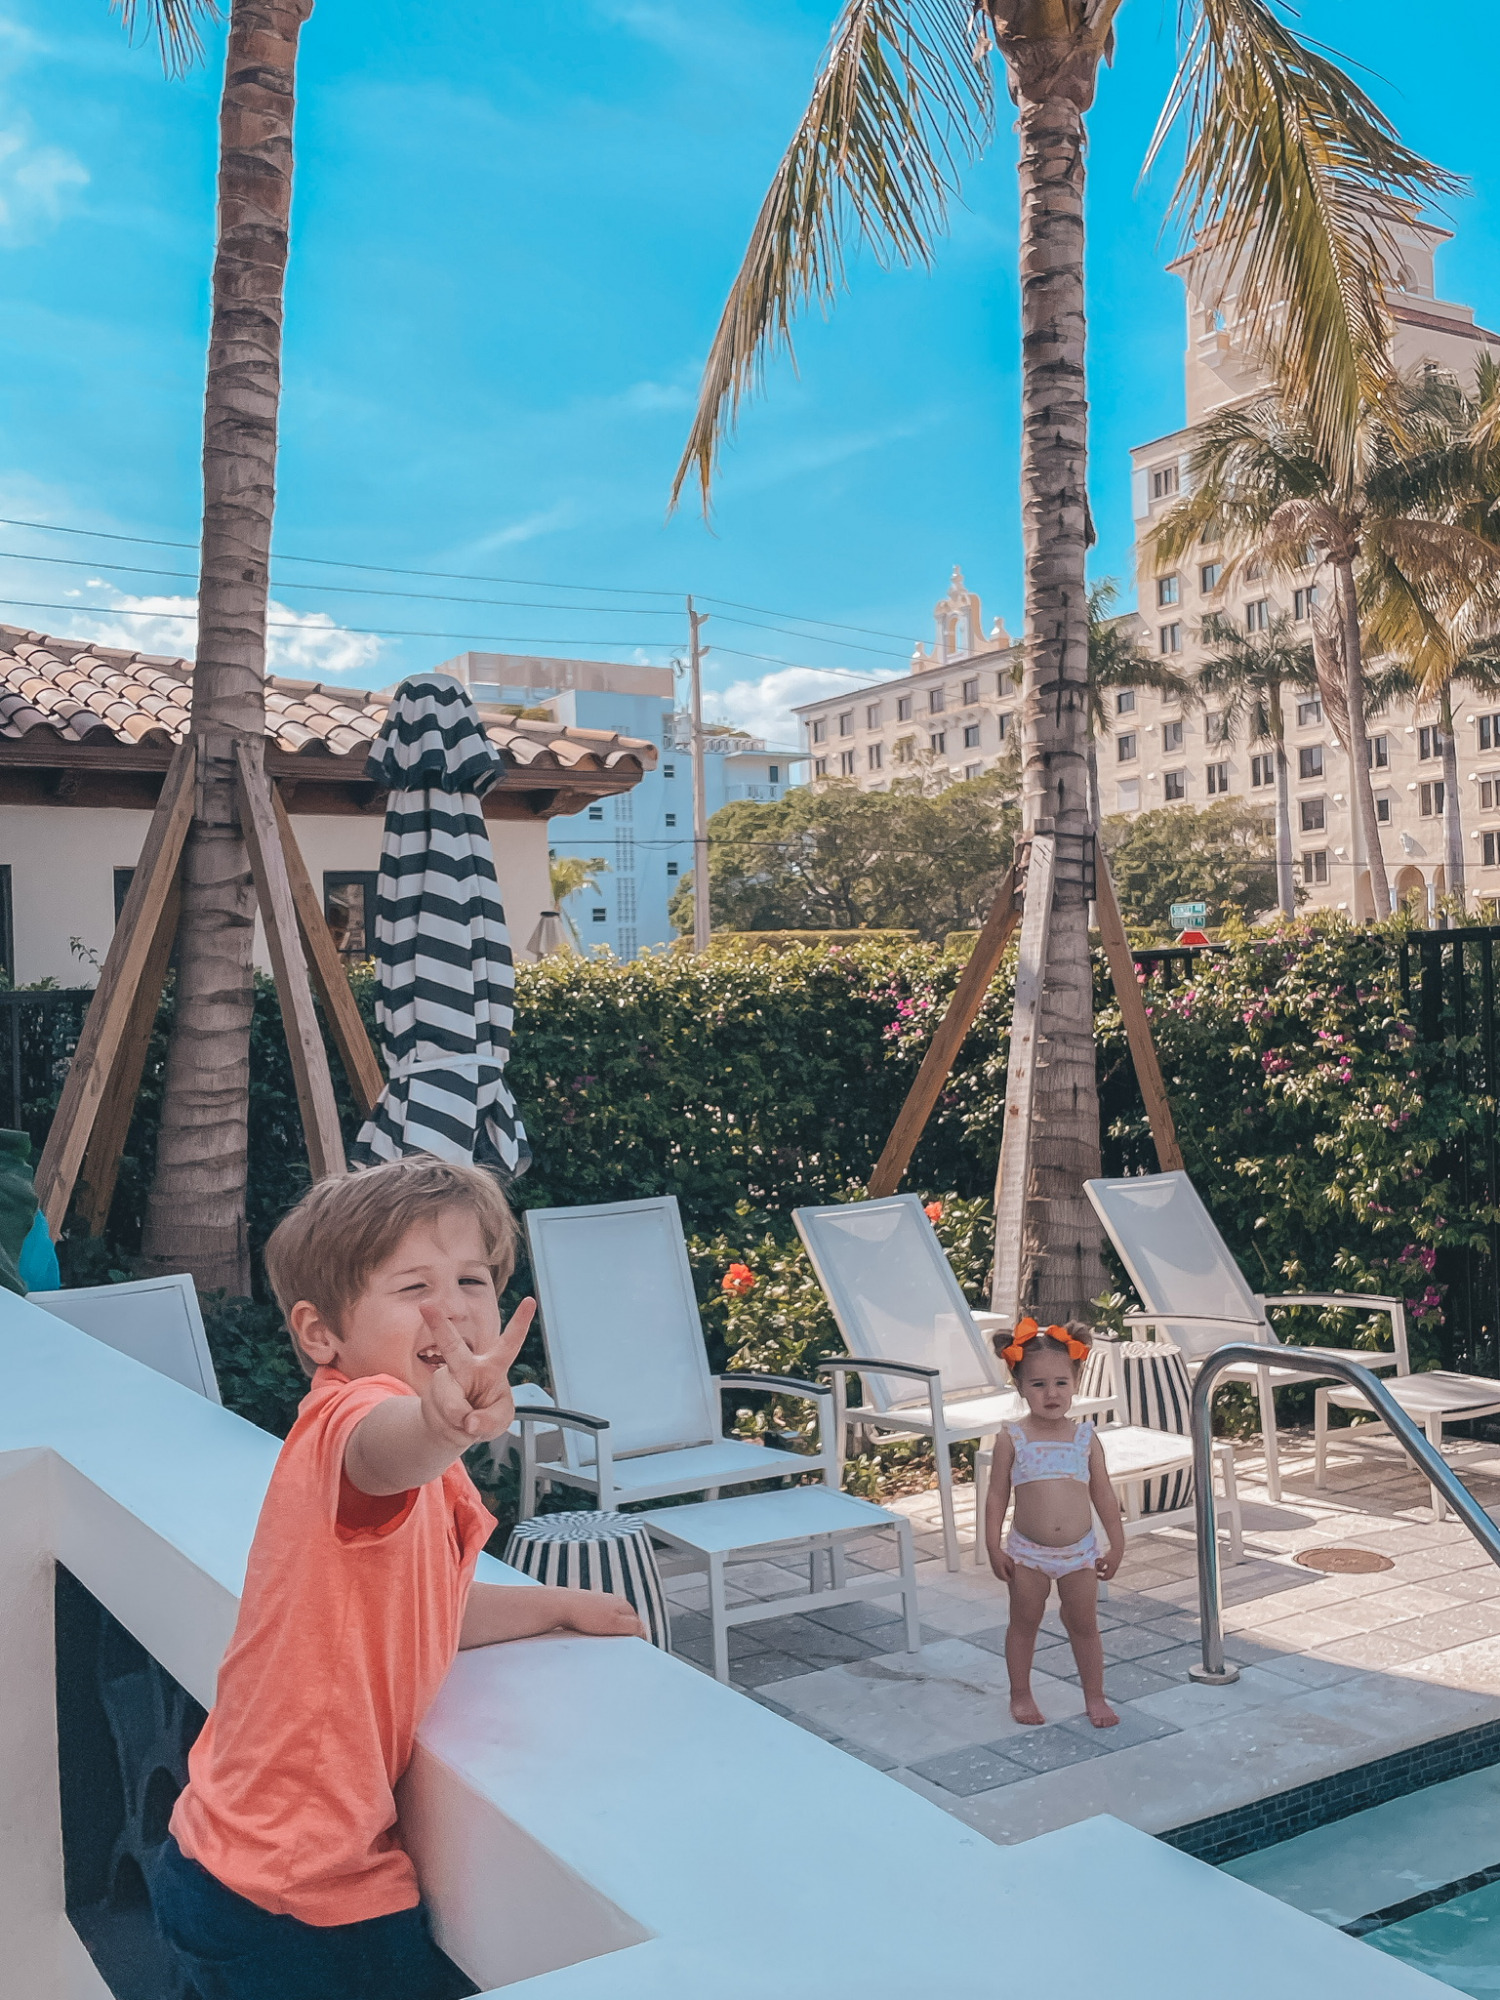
(468, 1400)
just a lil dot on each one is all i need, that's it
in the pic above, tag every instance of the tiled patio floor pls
(1336, 1670)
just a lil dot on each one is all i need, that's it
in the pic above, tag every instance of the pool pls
(1418, 1878)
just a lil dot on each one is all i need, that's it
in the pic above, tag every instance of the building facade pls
(955, 712)
(644, 836)
(1161, 753)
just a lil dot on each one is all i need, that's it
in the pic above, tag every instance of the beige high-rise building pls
(1160, 753)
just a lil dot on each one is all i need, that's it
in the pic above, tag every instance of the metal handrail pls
(1428, 1460)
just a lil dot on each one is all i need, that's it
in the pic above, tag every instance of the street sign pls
(1187, 915)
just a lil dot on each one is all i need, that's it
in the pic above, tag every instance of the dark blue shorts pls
(234, 1950)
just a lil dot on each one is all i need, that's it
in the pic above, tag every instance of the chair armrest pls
(791, 1384)
(865, 1365)
(1350, 1301)
(546, 1413)
(1143, 1318)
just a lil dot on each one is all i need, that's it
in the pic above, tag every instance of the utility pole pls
(697, 619)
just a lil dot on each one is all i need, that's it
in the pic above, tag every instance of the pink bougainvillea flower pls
(739, 1279)
(933, 1211)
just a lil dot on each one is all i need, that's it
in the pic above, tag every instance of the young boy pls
(283, 1877)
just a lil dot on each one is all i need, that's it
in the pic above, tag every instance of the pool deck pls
(1336, 1671)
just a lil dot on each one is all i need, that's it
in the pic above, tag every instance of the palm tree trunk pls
(195, 1218)
(1286, 887)
(1453, 830)
(1052, 81)
(1359, 743)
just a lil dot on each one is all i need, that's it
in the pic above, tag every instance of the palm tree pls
(1297, 181)
(195, 1217)
(567, 874)
(1118, 661)
(1247, 674)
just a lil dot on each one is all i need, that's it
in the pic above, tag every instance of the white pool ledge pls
(590, 1818)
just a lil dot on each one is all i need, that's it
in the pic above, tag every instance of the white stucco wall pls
(62, 861)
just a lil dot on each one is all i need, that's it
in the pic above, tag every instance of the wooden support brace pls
(1013, 1181)
(340, 1009)
(942, 1050)
(1133, 1014)
(111, 1009)
(101, 1163)
(304, 1040)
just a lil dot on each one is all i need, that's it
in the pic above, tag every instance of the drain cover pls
(1344, 1562)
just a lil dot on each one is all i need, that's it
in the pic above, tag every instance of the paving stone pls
(875, 1758)
(1052, 1747)
(966, 1772)
(1134, 1642)
(860, 1618)
(1135, 1726)
(818, 1645)
(1132, 1679)
(760, 1669)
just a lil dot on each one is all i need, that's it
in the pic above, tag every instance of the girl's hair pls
(1044, 1344)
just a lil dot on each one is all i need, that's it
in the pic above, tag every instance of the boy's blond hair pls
(325, 1248)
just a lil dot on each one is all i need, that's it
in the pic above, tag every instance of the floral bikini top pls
(1053, 1458)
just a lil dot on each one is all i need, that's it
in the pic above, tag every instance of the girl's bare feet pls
(1023, 1708)
(1099, 1712)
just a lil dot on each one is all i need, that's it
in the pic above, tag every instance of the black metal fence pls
(39, 1030)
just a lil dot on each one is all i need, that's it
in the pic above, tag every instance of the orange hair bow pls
(1027, 1329)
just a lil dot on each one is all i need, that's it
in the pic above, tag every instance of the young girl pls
(1056, 1467)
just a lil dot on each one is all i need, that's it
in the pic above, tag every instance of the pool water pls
(1417, 1878)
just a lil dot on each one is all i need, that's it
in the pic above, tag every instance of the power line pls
(295, 625)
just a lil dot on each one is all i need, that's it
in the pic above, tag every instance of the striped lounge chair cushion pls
(595, 1551)
(1157, 1395)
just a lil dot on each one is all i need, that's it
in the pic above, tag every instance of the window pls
(971, 692)
(1208, 577)
(846, 763)
(1309, 713)
(596, 812)
(1428, 745)
(1128, 795)
(669, 770)
(820, 767)
(1168, 590)
(1215, 729)
(1169, 639)
(123, 879)
(349, 906)
(1378, 752)
(599, 916)
(1310, 761)
(1315, 867)
(669, 819)
(671, 867)
(1430, 800)
(1492, 850)
(846, 723)
(1258, 614)
(872, 716)
(7, 930)
(773, 774)
(1171, 736)
(1489, 732)
(971, 736)
(1383, 810)
(937, 700)
(820, 730)
(1304, 602)
(1218, 780)
(1313, 814)
(1489, 796)
(875, 756)
(1252, 572)
(1164, 482)
(1125, 747)
(1125, 702)
(1002, 726)
(903, 708)
(1174, 786)
(1262, 771)
(973, 770)
(937, 743)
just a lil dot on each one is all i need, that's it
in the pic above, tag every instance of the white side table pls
(797, 1519)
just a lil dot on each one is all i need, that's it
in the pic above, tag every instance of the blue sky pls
(513, 230)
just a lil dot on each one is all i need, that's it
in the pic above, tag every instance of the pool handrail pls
(1429, 1462)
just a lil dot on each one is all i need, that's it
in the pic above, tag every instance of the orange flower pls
(933, 1211)
(739, 1279)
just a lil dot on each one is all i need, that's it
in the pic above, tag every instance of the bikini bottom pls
(1050, 1561)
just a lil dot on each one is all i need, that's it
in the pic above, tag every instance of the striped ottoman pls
(600, 1551)
(1157, 1396)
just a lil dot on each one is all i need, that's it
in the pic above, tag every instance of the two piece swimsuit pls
(1052, 1460)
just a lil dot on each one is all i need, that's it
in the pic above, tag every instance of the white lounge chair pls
(636, 1402)
(1192, 1289)
(906, 1322)
(154, 1320)
(1133, 1456)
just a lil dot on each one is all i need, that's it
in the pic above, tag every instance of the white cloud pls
(764, 706)
(303, 645)
(34, 183)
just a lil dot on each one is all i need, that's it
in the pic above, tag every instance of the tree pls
(566, 875)
(1220, 855)
(1247, 674)
(1117, 661)
(920, 856)
(1299, 183)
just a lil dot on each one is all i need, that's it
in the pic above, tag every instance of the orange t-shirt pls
(349, 1621)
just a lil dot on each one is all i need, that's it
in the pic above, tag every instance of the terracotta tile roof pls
(77, 693)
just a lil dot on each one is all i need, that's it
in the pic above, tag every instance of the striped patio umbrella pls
(442, 950)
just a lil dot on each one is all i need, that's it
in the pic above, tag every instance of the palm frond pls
(1295, 183)
(174, 23)
(903, 96)
(1246, 466)
(1245, 672)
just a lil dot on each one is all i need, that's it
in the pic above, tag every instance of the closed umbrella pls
(442, 951)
